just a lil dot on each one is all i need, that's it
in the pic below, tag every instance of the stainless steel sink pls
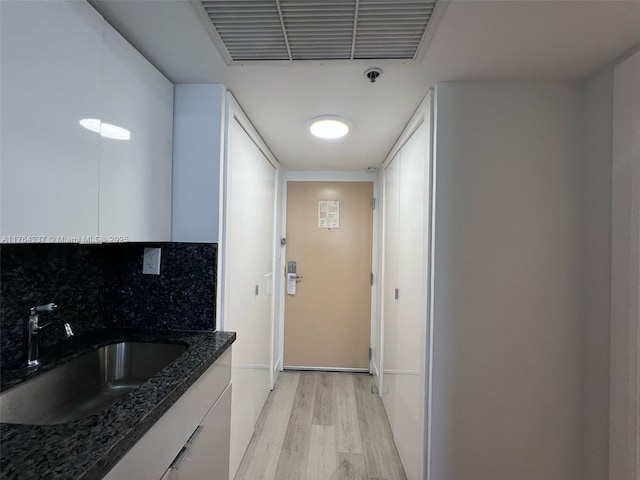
(87, 384)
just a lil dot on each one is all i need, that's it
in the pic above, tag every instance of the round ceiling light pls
(329, 126)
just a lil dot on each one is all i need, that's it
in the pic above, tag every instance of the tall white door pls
(390, 284)
(247, 286)
(411, 334)
(405, 293)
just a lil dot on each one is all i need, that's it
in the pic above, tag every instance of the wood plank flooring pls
(322, 426)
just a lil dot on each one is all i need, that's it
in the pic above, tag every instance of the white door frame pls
(315, 176)
(624, 413)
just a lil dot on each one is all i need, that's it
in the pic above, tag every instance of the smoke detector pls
(372, 74)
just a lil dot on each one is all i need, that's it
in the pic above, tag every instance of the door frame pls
(328, 176)
(624, 374)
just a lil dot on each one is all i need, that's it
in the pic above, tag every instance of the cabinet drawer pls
(154, 452)
(206, 456)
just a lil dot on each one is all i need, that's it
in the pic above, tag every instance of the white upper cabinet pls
(62, 182)
(50, 80)
(135, 173)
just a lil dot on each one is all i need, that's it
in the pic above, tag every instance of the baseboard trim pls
(326, 369)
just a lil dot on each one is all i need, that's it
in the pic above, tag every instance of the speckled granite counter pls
(88, 448)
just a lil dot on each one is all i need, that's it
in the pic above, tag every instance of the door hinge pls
(373, 203)
(372, 279)
(370, 353)
(396, 294)
(257, 290)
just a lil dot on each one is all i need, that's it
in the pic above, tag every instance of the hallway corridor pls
(322, 426)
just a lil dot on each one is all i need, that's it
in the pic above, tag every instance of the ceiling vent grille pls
(265, 30)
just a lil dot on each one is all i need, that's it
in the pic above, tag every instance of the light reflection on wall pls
(106, 130)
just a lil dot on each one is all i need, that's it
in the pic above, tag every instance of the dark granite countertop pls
(88, 448)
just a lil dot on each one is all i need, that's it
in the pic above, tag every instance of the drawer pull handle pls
(194, 435)
(175, 465)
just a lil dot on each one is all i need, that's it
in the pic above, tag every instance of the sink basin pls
(87, 384)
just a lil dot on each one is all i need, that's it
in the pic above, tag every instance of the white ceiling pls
(532, 40)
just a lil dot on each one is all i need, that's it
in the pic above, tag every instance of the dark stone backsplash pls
(182, 297)
(97, 286)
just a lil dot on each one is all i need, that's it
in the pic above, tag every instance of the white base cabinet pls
(191, 440)
(206, 454)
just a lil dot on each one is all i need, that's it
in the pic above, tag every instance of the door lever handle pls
(298, 277)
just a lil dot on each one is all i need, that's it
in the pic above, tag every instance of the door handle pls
(298, 277)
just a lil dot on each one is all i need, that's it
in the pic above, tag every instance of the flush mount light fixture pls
(106, 130)
(329, 126)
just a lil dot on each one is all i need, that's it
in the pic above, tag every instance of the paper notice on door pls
(328, 214)
(291, 283)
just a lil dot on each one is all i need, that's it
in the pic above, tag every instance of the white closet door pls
(265, 191)
(411, 332)
(390, 284)
(249, 239)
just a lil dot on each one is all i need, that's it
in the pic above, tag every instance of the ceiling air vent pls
(266, 30)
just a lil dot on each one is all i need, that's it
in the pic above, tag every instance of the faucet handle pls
(48, 307)
(68, 330)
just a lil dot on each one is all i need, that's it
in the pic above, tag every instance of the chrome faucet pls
(33, 329)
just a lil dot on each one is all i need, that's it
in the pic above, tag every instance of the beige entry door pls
(329, 236)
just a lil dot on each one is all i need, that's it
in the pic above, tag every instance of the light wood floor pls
(317, 426)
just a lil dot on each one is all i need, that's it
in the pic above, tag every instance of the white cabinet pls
(61, 182)
(50, 80)
(191, 437)
(206, 453)
(135, 174)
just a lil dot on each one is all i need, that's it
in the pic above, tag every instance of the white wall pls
(596, 139)
(199, 112)
(507, 327)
